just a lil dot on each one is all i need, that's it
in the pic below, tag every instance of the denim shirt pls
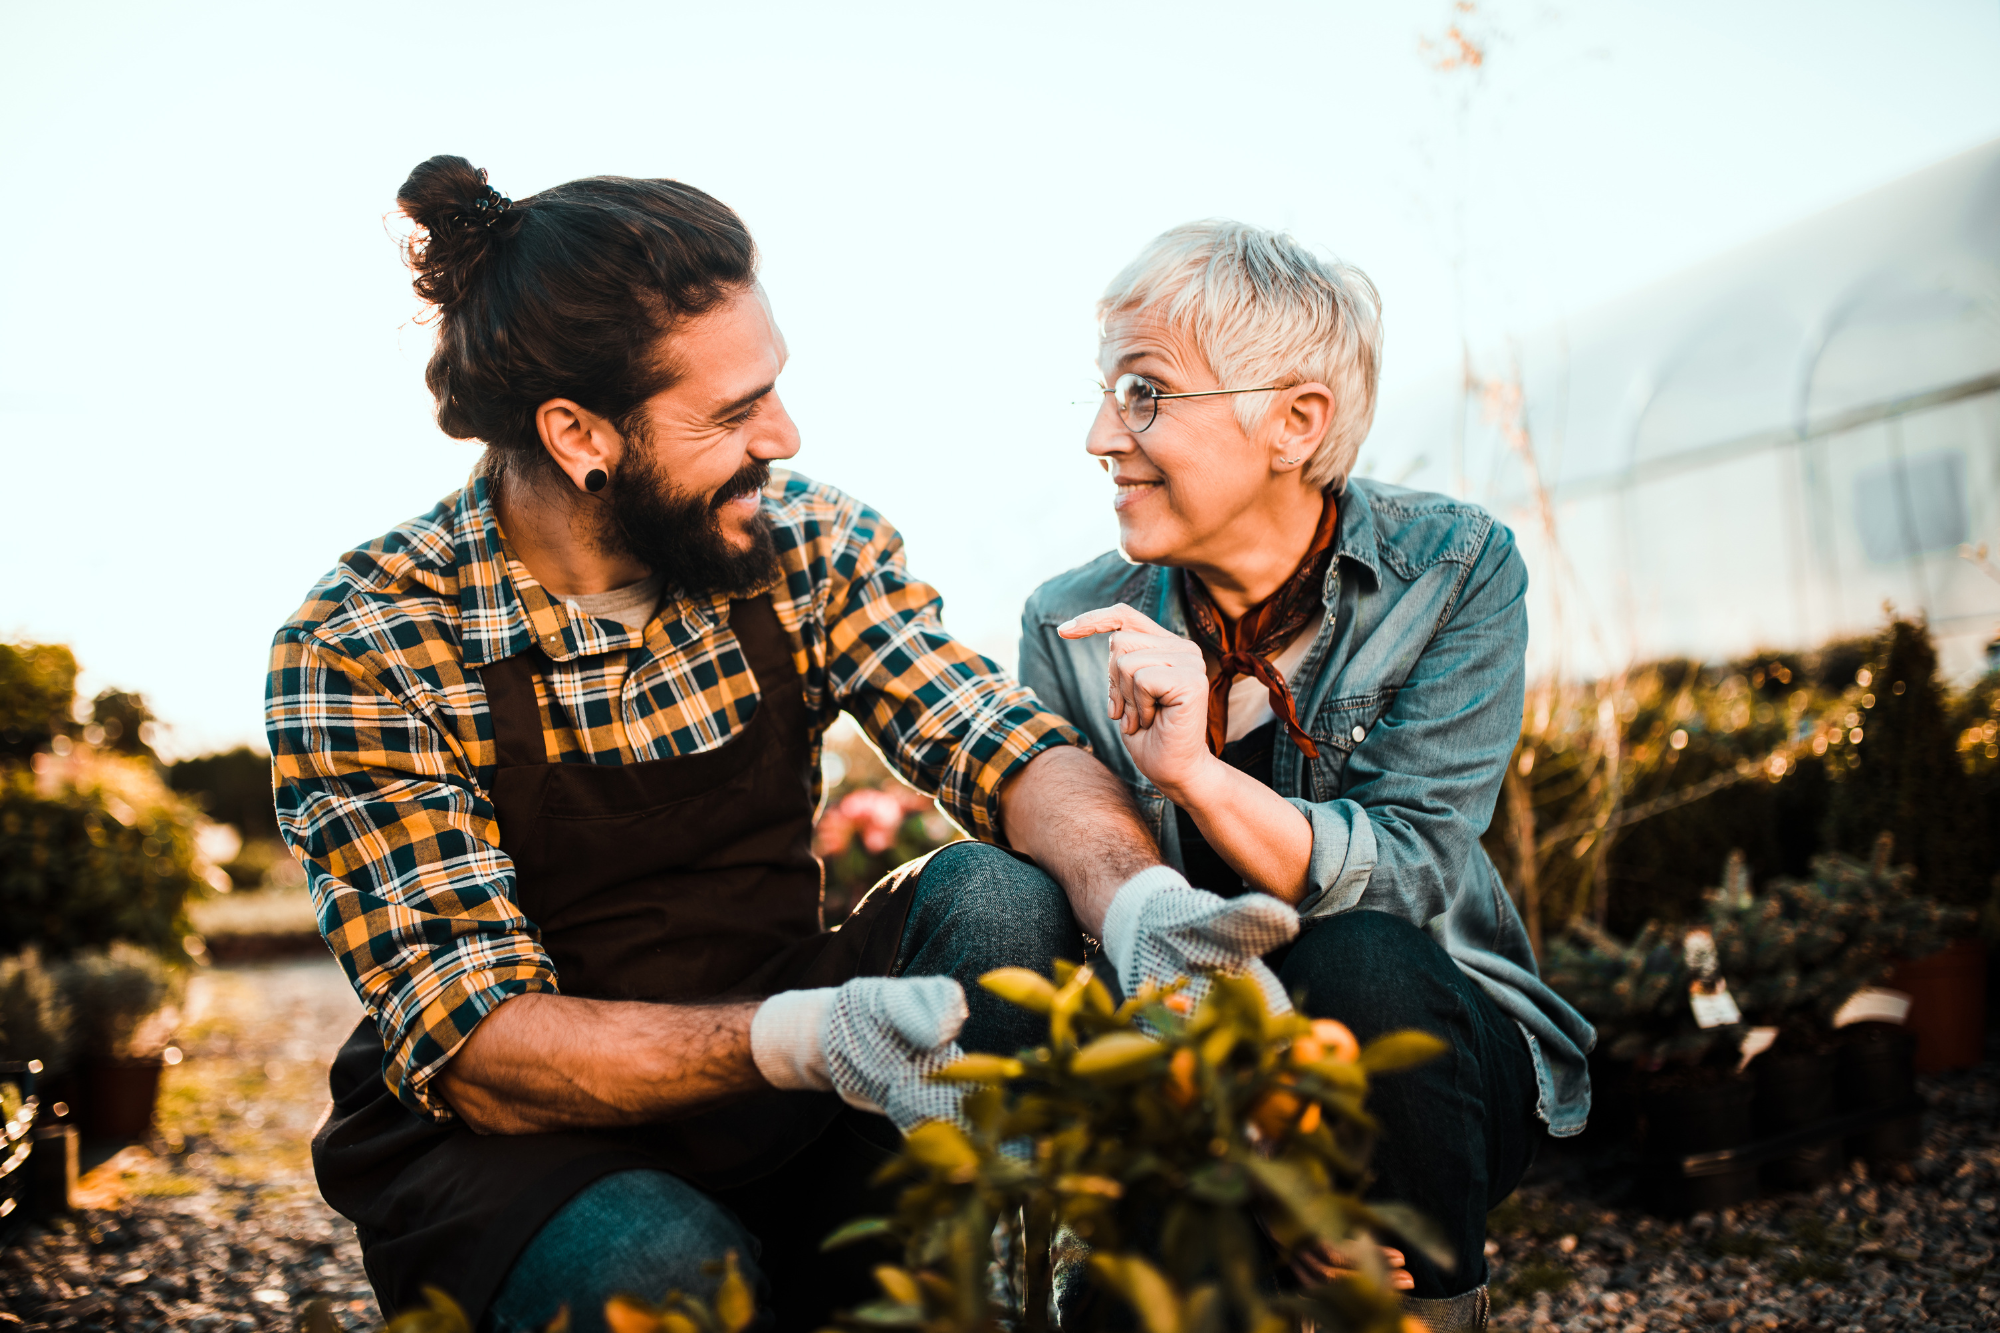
(1412, 692)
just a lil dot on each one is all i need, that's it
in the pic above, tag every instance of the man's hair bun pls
(449, 198)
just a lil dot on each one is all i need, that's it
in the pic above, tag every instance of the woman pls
(1314, 687)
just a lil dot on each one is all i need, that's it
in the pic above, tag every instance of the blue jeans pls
(973, 908)
(1457, 1133)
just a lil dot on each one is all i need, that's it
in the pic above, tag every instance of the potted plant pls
(1918, 770)
(121, 999)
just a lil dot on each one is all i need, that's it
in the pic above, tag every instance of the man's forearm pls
(1075, 818)
(547, 1062)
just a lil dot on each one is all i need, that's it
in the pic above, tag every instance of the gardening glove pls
(876, 1041)
(1160, 927)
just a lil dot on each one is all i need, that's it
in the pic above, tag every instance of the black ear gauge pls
(594, 480)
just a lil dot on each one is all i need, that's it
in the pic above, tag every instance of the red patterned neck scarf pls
(1246, 647)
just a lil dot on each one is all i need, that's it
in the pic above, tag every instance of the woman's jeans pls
(1456, 1133)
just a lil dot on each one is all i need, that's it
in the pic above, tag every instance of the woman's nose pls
(1107, 431)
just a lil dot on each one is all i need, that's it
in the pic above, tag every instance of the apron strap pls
(765, 646)
(510, 704)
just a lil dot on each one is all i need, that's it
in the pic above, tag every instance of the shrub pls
(232, 787)
(37, 1021)
(37, 688)
(1791, 956)
(112, 995)
(1905, 777)
(95, 850)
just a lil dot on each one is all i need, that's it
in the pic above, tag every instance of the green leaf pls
(735, 1306)
(1424, 1235)
(1021, 987)
(979, 1069)
(1115, 1057)
(861, 1228)
(1400, 1050)
(1150, 1295)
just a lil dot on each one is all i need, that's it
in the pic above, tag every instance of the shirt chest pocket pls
(1337, 729)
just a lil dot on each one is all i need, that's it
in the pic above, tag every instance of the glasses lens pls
(1136, 402)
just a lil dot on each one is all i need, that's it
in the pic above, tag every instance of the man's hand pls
(876, 1041)
(1160, 928)
(1159, 695)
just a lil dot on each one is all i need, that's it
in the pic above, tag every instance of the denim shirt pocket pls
(1337, 728)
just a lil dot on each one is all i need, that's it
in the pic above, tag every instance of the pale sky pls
(210, 385)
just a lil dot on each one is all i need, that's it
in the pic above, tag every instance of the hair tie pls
(488, 208)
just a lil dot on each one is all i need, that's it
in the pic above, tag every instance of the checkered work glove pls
(1161, 927)
(875, 1041)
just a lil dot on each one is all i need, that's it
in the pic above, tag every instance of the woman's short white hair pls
(1266, 310)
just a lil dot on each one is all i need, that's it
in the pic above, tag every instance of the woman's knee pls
(644, 1232)
(1373, 971)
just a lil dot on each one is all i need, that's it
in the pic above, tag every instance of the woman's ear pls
(1297, 425)
(579, 440)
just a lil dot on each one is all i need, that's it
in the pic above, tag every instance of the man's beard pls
(679, 536)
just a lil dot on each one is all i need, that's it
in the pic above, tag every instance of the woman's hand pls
(1159, 695)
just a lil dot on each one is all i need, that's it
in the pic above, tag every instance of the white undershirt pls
(1250, 698)
(631, 606)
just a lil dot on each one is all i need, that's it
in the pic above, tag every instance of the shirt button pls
(554, 641)
(1359, 734)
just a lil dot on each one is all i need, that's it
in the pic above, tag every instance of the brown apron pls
(680, 879)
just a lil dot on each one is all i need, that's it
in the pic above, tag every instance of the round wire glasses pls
(1139, 399)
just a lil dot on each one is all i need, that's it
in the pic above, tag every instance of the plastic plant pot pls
(1947, 993)
(1794, 1091)
(119, 1096)
(1701, 1118)
(1877, 1069)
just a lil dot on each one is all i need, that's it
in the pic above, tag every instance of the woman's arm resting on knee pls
(1159, 695)
(545, 1062)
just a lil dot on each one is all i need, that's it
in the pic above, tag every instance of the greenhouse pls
(1809, 424)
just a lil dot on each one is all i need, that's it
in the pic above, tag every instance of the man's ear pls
(1297, 425)
(579, 440)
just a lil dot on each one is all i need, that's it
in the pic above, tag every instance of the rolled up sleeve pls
(1419, 788)
(948, 719)
(402, 858)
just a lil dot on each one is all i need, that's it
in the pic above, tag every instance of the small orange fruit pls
(1275, 1113)
(1181, 1089)
(1335, 1040)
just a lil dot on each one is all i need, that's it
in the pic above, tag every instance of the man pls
(550, 757)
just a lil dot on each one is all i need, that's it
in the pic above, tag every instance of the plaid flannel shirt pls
(383, 755)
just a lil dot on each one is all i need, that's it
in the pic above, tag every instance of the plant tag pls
(1708, 993)
(1873, 1004)
(1713, 1007)
(1755, 1042)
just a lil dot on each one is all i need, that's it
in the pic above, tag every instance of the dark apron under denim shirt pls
(1412, 691)
(670, 880)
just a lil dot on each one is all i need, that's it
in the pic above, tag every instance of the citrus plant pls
(1185, 1146)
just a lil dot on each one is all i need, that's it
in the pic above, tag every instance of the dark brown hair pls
(565, 294)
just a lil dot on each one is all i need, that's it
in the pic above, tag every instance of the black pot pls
(1878, 1069)
(1686, 1120)
(1794, 1091)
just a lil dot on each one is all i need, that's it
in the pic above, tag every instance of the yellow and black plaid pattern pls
(383, 754)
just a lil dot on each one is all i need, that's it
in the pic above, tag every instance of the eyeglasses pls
(1139, 401)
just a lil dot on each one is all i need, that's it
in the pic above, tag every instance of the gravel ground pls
(215, 1225)
(1919, 1248)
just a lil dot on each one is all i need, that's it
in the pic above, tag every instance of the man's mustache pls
(750, 479)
